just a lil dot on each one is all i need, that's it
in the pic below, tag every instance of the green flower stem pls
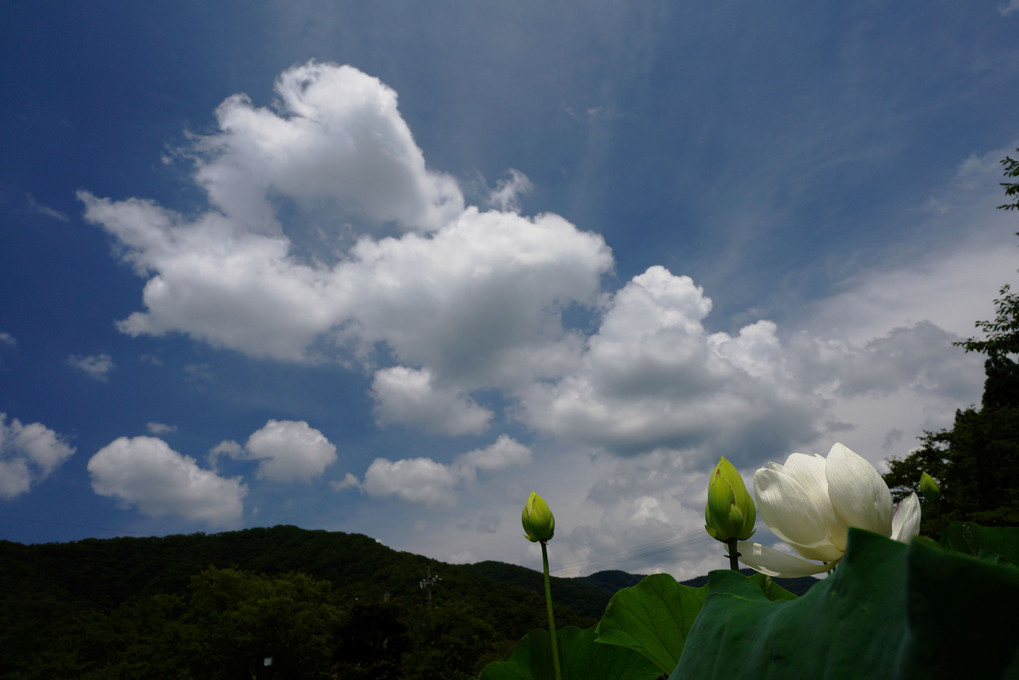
(733, 553)
(551, 618)
(935, 512)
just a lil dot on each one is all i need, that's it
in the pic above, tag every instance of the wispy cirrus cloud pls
(96, 366)
(160, 428)
(36, 207)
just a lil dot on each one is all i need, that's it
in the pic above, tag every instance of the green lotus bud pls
(929, 488)
(539, 524)
(730, 511)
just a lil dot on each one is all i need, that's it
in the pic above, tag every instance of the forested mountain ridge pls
(134, 607)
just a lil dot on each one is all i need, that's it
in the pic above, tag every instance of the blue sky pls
(387, 267)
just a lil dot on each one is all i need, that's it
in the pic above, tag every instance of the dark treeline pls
(318, 604)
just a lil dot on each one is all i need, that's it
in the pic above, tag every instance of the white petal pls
(906, 522)
(774, 563)
(857, 492)
(809, 471)
(791, 513)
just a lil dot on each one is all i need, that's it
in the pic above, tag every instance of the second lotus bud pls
(539, 524)
(929, 488)
(730, 511)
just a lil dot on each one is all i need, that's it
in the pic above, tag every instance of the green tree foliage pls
(448, 640)
(320, 604)
(238, 622)
(228, 625)
(1011, 188)
(1001, 335)
(976, 462)
(373, 641)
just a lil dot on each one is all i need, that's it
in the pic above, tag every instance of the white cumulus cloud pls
(464, 293)
(28, 454)
(217, 282)
(418, 480)
(652, 377)
(480, 301)
(408, 396)
(286, 451)
(505, 452)
(336, 134)
(289, 450)
(145, 472)
(425, 481)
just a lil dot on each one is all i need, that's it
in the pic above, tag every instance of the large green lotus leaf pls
(956, 608)
(889, 611)
(581, 658)
(849, 625)
(771, 590)
(654, 617)
(973, 539)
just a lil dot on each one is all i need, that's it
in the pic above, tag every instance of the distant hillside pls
(588, 595)
(585, 595)
(612, 581)
(129, 607)
(797, 586)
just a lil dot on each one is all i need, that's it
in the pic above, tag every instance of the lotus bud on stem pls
(729, 514)
(539, 527)
(929, 488)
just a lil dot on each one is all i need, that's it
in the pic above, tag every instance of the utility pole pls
(427, 583)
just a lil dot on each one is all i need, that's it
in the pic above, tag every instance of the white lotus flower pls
(810, 502)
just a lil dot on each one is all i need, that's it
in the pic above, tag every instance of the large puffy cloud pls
(418, 480)
(337, 135)
(653, 377)
(147, 473)
(479, 298)
(478, 302)
(216, 281)
(287, 451)
(407, 396)
(425, 481)
(504, 453)
(28, 454)
(474, 294)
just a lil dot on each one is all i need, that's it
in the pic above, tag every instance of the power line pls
(674, 543)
